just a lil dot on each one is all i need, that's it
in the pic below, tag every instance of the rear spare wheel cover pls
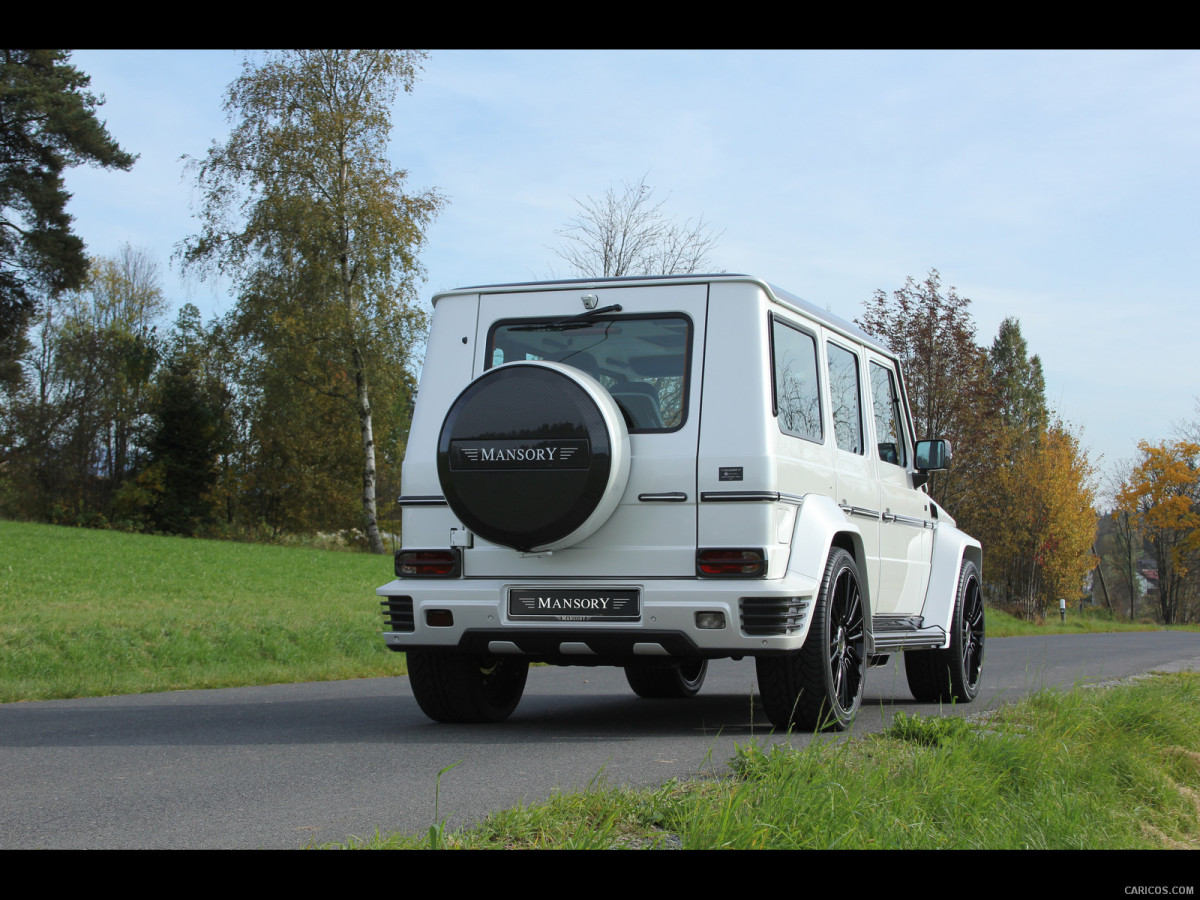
(533, 455)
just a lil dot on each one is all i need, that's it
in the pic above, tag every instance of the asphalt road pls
(287, 766)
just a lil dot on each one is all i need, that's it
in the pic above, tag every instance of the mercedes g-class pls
(655, 472)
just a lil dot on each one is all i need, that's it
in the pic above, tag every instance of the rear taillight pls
(725, 563)
(427, 563)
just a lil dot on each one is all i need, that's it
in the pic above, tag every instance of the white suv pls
(655, 472)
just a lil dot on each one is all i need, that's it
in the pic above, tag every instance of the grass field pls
(1001, 624)
(86, 613)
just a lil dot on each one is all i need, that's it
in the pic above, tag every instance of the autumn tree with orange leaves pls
(1041, 542)
(1163, 492)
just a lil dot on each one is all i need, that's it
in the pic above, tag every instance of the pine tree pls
(47, 124)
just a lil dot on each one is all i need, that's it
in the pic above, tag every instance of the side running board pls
(893, 634)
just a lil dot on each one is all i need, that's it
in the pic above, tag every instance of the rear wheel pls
(953, 674)
(462, 687)
(820, 686)
(666, 682)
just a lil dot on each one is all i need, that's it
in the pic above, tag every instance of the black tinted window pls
(641, 360)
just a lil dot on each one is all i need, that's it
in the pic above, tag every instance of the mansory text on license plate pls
(575, 605)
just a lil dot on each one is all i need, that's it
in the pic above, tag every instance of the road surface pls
(288, 766)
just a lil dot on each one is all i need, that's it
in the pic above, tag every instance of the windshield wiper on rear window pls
(583, 320)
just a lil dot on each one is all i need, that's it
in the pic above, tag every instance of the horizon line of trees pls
(192, 429)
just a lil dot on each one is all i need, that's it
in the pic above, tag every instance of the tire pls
(533, 455)
(461, 687)
(820, 686)
(676, 682)
(952, 675)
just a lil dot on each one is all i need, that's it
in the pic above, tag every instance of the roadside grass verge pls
(88, 613)
(1092, 621)
(1111, 768)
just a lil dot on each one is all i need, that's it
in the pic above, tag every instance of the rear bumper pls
(760, 617)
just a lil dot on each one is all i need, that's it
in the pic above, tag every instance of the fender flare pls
(819, 521)
(950, 548)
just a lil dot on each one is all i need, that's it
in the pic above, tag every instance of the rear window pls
(642, 360)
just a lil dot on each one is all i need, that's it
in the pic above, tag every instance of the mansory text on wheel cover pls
(533, 455)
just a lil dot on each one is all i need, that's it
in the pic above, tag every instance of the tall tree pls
(184, 445)
(628, 232)
(120, 314)
(302, 206)
(1120, 542)
(946, 374)
(1039, 545)
(1026, 530)
(47, 123)
(78, 418)
(1019, 382)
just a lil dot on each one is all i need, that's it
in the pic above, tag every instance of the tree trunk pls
(1103, 586)
(368, 443)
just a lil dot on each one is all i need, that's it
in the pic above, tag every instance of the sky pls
(1058, 187)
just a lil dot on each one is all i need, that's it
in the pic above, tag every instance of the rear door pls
(649, 357)
(906, 532)
(857, 482)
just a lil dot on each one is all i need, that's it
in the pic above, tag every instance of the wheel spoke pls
(854, 614)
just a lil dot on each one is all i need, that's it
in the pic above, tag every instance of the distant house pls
(1148, 569)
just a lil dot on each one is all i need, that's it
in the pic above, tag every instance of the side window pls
(797, 392)
(888, 430)
(844, 393)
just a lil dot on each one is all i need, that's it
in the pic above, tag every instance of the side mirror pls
(932, 456)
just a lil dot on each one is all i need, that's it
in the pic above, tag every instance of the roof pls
(781, 296)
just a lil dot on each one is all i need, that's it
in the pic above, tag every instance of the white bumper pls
(667, 620)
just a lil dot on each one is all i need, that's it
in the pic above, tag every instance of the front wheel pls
(462, 687)
(659, 682)
(820, 686)
(953, 674)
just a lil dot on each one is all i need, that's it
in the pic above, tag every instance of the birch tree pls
(303, 208)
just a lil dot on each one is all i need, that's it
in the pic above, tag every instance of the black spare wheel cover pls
(533, 455)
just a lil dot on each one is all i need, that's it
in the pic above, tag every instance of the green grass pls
(88, 613)
(1091, 621)
(1117, 768)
